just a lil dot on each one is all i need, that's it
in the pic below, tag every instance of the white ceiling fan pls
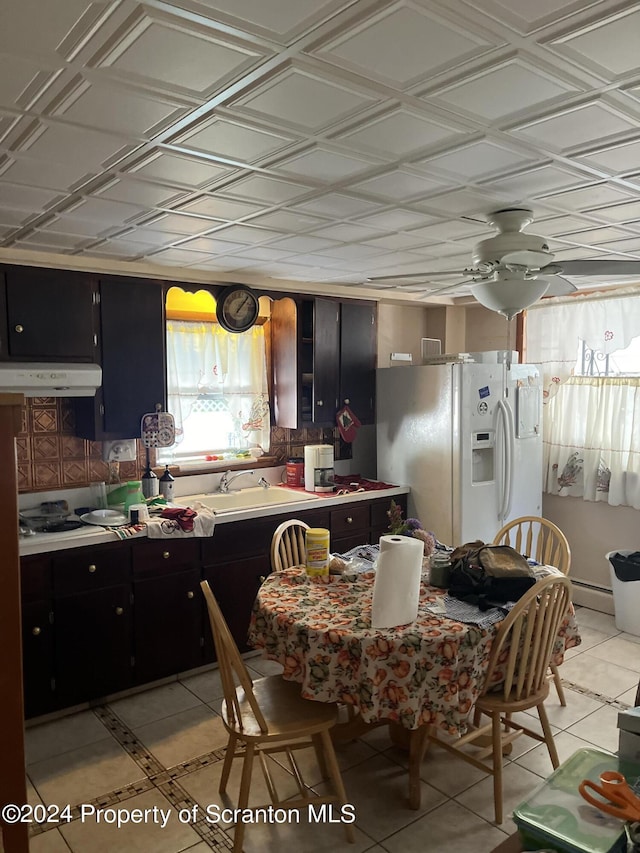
(512, 271)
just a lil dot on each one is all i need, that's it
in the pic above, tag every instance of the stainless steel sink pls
(252, 498)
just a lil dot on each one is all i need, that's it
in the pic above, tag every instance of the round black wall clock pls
(237, 308)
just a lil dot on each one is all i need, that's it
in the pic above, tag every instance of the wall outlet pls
(123, 450)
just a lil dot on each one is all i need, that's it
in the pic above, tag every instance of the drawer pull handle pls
(190, 594)
(36, 631)
(19, 329)
(349, 520)
(262, 578)
(92, 568)
(119, 611)
(319, 403)
(165, 555)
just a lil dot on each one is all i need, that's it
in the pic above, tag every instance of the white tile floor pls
(162, 749)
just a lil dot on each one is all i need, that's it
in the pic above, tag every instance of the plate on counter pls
(105, 518)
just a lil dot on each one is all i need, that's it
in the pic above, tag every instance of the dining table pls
(410, 677)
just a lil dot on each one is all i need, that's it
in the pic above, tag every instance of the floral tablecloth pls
(428, 672)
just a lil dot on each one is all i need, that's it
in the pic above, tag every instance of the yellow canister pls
(317, 546)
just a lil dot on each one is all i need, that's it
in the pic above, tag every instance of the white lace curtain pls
(591, 425)
(210, 371)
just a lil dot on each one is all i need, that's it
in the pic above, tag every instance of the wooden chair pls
(270, 716)
(524, 645)
(544, 542)
(287, 545)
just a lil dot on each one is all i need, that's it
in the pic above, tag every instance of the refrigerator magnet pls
(484, 392)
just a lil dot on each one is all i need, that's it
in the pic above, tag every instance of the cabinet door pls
(326, 343)
(380, 515)
(51, 315)
(37, 658)
(133, 361)
(358, 359)
(235, 586)
(92, 644)
(167, 625)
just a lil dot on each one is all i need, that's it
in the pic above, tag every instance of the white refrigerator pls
(467, 439)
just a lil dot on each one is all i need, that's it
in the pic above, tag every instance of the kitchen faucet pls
(228, 478)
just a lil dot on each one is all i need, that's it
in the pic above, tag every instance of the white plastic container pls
(626, 597)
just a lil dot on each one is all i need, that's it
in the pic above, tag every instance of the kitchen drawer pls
(348, 518)
(89, 569)
(35, 578)
(237, 539)
(163, 556)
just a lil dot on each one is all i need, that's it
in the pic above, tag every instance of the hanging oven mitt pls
(348, 423)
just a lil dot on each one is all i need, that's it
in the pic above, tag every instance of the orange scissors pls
(618, 799)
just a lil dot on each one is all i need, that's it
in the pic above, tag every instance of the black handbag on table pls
(490, 575)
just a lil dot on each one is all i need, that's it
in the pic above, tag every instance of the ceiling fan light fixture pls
(509, 296)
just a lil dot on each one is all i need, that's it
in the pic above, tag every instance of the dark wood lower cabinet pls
(93, 644)
(235, 586)
(99, 619)
(167, 625)
(37, 657)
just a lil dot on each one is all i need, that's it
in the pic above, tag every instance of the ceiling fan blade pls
(559, 286)
(593, 266)
(427, 274)
(440, 290)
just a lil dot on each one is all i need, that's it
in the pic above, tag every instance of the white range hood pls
(50, 380)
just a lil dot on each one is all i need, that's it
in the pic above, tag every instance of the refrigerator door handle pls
(503, 417)
(511, 440)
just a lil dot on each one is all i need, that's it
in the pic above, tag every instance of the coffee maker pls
(318, 468)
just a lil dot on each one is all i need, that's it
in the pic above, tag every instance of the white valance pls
(606, 323)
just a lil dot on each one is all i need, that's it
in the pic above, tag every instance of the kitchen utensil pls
(105, 518)
(615, 796)
(140, 512)
(45, 516)
(98, 495)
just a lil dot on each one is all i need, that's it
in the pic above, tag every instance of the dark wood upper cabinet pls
(133, 360)
(321, 335)
(50, 315)
(358, 359)
(323, 352)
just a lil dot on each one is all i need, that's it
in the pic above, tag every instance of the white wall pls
(485, 330)
(400, 329)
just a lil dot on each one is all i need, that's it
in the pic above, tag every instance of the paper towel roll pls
(396, 589)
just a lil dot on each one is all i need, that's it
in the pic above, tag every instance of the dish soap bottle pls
(166, 485)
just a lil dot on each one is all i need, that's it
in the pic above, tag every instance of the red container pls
(295, 472)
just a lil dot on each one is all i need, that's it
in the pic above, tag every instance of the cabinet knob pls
(349, 520)
(92, 568)
(119, 611)
(262, 578)
(319, 403)
(346, 401)
(165, 555)
(19, 329)
(36, 631)
(190, 594)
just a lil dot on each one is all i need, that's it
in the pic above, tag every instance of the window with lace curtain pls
(217, 391)
(589, 351)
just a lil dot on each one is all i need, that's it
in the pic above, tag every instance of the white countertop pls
(94, 535)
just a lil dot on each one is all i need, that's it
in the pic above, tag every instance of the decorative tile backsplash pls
(50, 456)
